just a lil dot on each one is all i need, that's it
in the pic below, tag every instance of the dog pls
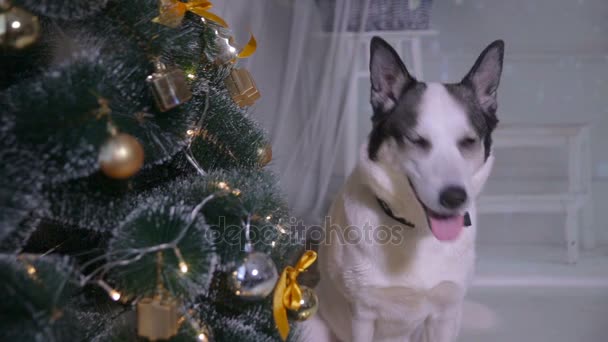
(424, 163)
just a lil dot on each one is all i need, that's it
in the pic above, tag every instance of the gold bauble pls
(18, 27)
(308, 305)
(121, 156)
(265, 155)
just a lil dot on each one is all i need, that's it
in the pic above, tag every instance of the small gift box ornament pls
(169, 86)
(157, 318)
(242, 88)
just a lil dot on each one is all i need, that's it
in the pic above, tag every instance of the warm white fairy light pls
(273, 243)
(115, 295)
(183, 267)
(223, 185)
(269, 217)
(31, 270)
(281, 229)
(191, 76)
(236, 192)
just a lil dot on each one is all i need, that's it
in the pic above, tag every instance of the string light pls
(223, 186)
(31, 270)
(268, 218)
(281, 229)
(273, 243)
(236, 192)
(191, 76)
(115, 295)
(183, 267)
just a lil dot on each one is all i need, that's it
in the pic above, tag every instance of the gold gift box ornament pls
(157, 318)
(242, 87)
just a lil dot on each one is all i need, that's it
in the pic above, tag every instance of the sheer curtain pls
(312, 111)
(304, 74)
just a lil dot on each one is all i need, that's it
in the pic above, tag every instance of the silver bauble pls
(18, 27)
(255, 277)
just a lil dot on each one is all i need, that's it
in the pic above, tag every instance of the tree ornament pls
(121, 156)
(226, 51)
(301, 301)
(265, 155)
(172, 12)
(255, 277)
(169, 86)
(158, 317)
(18, 27)
(309, 304)
(242, 87)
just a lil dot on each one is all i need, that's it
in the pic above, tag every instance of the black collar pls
(387, 210)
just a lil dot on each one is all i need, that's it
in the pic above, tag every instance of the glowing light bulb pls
(222, 185)
(183, 267)
(115, 295)
(31, 270)
(191, 76)
(268, 217)
(254, 272)
(16, 24)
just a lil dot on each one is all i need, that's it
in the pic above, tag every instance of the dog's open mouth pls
(443, 227)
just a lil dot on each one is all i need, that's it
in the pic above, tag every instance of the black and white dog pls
(426, 159)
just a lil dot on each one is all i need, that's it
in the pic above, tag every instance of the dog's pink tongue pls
(446, 229)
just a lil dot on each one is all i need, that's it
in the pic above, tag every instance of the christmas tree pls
(134, 202)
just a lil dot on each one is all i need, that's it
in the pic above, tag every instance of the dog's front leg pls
(444, 327)
(362, 325)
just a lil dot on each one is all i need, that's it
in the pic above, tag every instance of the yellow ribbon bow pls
(172, 13)
(288, 294)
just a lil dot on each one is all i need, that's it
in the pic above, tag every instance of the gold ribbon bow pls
(172, 13)
(288, 294)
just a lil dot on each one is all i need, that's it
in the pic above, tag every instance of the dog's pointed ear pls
(388, 76)
(484, 77)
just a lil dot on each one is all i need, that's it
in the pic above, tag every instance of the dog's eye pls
(420, 142)
(467, 143)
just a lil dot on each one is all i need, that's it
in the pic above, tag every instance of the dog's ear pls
(389, 77)
(484, 77)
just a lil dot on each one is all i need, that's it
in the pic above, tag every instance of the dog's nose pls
(452, 197)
